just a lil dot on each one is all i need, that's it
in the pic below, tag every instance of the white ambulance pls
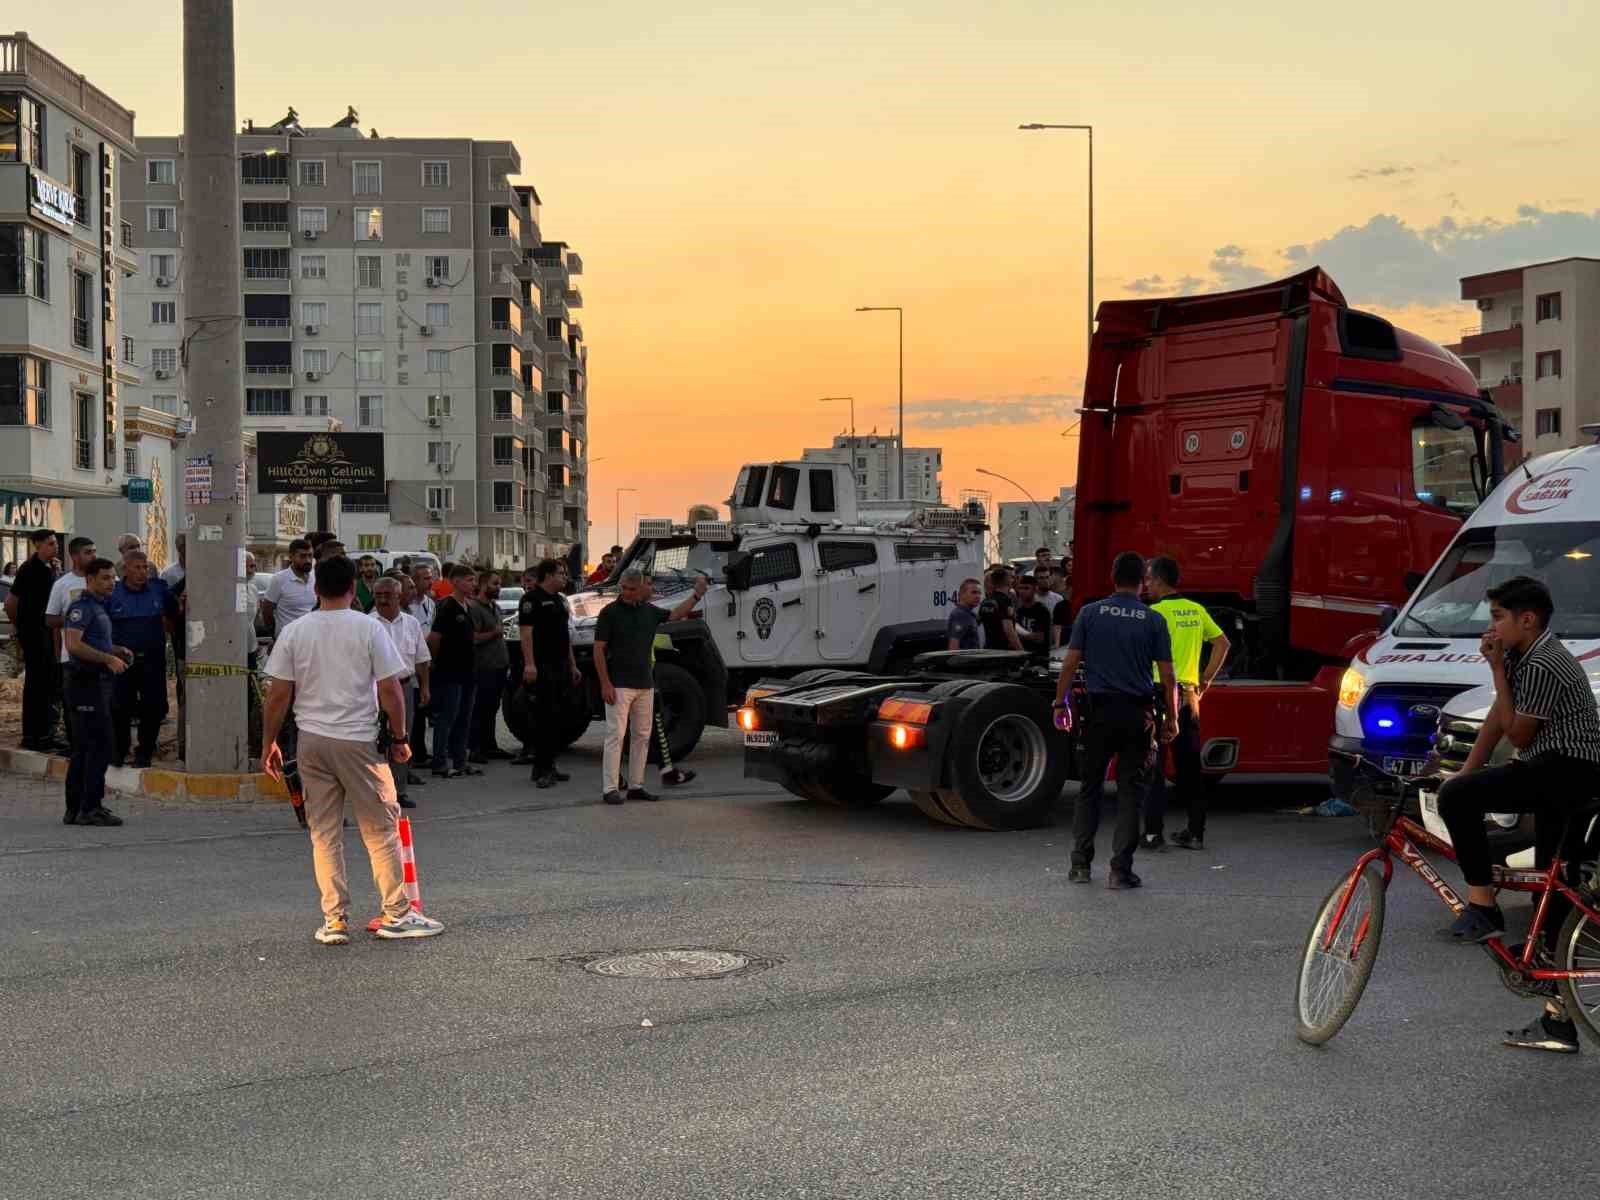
(1542, 520)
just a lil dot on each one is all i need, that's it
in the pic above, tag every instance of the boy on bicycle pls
(1545, 707)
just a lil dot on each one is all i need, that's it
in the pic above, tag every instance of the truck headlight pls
(1352, 686)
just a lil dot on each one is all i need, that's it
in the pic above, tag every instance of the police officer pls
(142, 612)
(1119, 642)
(93, 661)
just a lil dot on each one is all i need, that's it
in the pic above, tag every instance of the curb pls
(156, 783)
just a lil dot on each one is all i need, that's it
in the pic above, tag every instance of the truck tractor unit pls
(803, 576)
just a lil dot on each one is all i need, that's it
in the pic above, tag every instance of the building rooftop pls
(47, 74)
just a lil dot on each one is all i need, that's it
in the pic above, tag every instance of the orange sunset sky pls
(738, 177)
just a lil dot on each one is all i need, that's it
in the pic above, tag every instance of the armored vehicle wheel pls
(682, 709)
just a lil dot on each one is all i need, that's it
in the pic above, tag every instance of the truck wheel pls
(683, 711)
(932, 806)
(1006, 761)
(848, 791)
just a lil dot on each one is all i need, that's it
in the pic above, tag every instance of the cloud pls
(1388, 171)
(1388, 261)
(1026, 408)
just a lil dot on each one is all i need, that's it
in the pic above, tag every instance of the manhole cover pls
(675, 964)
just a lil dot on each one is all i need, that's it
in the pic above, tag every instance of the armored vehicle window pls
(754, 485)
(822, 491)
(785, 487)
(774, 564)
(841, 556)
(923, 551)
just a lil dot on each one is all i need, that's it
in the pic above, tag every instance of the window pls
(313, 312)
(21, 129)
(163, 312)
(164, 359)
(438, 360)
(369, 271)
(369, 320)
(436, 220)
(1547, 364)
(785, 487)
(82, 306)
(24, 262)
(127, 350)
(80, 178)
(368, 178)
(167, 402)
(24, 390)
(1547, 422)
(369, 224)
(314, 406)
(922, 551)
(1442, 465)
(774, 564)
(161, 170)
(314, 360)
(163, 266)
(83, 434)
(843, 556)
(314, 220)
(36, 263)
(435, 174)
(437, 315)
(822, 491)
(505, 496)
(439, 406)
(313, 172)
(130, 460)
(505, 450)
(369, 366)
(268, 402)
(438, 267)
(266, 264)
(265, 216)
(313, 266)
(505, 408)
(369, 412)
(1547, 307)
(160, 218)
(264, 168)
(754, 485)
(442, 498)
(438, 454)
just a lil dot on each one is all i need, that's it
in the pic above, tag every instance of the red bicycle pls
(1343, 944)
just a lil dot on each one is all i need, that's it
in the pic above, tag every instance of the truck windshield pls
(669, 561)
(1443, 465)
(1564, 554)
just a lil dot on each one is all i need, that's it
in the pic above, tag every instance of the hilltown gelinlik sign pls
(320, 463)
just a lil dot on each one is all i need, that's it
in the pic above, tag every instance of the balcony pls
(574, 263)
(270, 324)
(572, 297)
(1477, 340)
(275, 370)
(1507, 396)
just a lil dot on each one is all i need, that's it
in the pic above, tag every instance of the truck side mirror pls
(736, 574)
(1386, 616)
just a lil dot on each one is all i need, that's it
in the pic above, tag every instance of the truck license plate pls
(1402, 766)
(765, 739)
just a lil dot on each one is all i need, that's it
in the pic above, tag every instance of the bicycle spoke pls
(1330, 969)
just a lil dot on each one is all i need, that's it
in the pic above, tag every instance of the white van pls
(387, 558)
(1542, 520)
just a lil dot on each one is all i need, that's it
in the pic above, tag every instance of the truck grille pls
(1401, 718)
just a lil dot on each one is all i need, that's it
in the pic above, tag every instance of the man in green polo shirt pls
(1189, 625)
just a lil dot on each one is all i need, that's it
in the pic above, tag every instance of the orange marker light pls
(899, 737)
(747, 718)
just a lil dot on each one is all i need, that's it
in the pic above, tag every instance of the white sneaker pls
(334, 932)
(412, 925)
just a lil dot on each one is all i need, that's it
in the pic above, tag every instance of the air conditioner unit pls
(313, 376)
(430, 281)
(313, 330)
(425, 330)
(1486, 303)
(163, 281)
(310, 235)
(435, 422)
(163, 374)
(435, 514)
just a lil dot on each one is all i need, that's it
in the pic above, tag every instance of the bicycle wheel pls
(1337, 961)
(1578, 949)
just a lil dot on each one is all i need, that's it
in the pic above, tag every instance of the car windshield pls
(1561, 553)
(671, 560)
(510, 595)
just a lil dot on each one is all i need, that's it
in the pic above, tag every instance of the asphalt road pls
(943, 1014)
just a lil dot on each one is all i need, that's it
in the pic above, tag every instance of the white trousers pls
(632, 713)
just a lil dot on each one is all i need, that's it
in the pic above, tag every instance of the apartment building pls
(563, 419)
(1536, 347)
(65, 151)
(875, 459)
(387, 286)
(1025, 526)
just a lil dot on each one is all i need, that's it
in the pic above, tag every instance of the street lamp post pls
(900, 316)
(1089, 129)
(620, 490)
(852, 399)
(1044, 521)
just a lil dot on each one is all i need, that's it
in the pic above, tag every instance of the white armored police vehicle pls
(803, 576)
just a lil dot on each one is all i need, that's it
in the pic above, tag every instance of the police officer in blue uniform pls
(1122, 645)
(142, 611)
(93, 661)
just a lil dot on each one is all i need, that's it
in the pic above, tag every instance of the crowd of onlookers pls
(1015, 609)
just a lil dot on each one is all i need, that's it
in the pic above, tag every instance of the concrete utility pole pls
(213, 355)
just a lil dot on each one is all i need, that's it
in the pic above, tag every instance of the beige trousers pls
(334, 771)
(629, 718)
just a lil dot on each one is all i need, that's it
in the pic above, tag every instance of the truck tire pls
(683, 711)
(848, 791)
(1005, 761)
(932, 806)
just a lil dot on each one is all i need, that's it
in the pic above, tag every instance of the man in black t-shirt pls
(451, 644)
(1032, 619)
(549, 668)
(995, 613)
(25, 605)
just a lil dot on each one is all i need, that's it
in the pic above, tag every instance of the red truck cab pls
(1304, 462)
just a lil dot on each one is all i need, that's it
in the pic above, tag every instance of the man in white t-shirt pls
(290, 593)
(81, 552)
(179, 569)
(338, 666)
(411, 644)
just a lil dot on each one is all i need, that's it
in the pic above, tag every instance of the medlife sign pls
(51, 201)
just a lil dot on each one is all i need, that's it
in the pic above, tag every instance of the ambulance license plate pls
(762, 739)
(1403, 766)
